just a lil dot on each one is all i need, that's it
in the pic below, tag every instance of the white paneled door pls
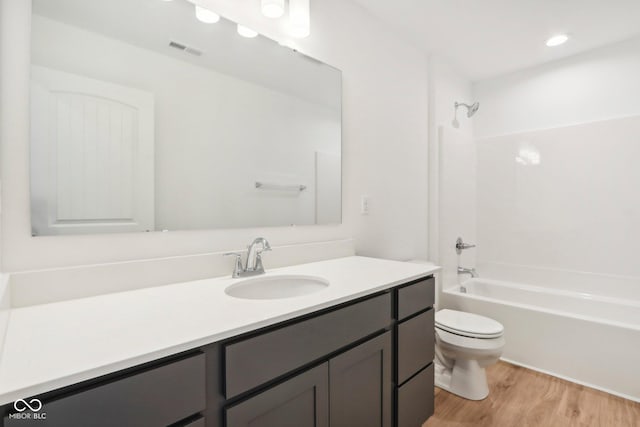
(92, 155)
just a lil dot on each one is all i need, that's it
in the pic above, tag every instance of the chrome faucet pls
(254, 258)
(253, 265)
(470, 271)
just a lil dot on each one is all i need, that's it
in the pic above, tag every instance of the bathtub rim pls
(454, 290)
(546, 290)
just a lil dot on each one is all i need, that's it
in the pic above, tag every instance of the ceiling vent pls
(185, 48)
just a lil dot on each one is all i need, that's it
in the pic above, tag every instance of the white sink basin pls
(276, 287)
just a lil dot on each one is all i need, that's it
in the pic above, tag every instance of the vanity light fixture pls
(272, 8)
(205, 15)
(246, 32)
(299, 18)
(557, 40)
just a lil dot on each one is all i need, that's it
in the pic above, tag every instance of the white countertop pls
(54, 345)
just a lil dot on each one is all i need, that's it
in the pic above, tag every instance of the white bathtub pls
(584, 338)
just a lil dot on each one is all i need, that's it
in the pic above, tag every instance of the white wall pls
(207, 158)
(384, 147)
(5, 307)
(600, 84)
(557, 166)
(6, 105)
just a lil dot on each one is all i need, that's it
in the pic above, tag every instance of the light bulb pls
(557, 40)
(299, 18)
(273, 8)
(206, 15)
(246, 32)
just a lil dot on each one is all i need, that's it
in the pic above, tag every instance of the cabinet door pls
(361, 388)
(302, 401)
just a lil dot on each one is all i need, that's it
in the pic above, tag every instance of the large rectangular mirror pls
(145, 118)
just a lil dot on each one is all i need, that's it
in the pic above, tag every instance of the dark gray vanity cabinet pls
(391, 373)
(364, 363)
(415, 349)
(351, 389)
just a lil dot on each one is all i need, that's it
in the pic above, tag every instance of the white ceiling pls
(485, 38)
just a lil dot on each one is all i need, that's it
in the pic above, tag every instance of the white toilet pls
(466, 344)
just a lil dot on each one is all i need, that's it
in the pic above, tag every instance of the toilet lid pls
(468, 324)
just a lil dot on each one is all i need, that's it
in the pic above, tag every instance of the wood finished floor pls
(521, 397)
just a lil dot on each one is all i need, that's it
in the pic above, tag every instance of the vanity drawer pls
(415, 344)
(158, 397)
(259, 359)
(415, 399)
(198, 422)
(415, 297)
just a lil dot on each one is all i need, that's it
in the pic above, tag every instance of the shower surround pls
(554, 213)
(562, 199)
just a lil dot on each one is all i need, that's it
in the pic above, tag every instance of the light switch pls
(364, 205)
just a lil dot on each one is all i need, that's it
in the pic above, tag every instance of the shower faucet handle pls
(461, 245)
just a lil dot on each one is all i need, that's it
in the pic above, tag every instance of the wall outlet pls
(365, 201)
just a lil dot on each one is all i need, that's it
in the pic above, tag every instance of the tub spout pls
(470, 271)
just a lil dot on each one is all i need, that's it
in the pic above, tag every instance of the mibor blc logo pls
(21, 405)
(28, 410)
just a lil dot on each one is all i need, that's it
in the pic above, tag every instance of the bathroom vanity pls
(363, 359)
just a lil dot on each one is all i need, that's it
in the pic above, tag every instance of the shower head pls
(471, 110)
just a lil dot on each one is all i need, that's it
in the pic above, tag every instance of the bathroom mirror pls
(144, 117)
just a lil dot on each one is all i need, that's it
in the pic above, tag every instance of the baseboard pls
(573, 380)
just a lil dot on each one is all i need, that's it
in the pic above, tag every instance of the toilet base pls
(466, 379)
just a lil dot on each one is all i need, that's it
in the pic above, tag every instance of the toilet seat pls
(468, 324)
(468, 344)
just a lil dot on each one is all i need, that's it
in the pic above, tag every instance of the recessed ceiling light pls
(207, 16)
(246, 32)
(273, 8)
(557, 40)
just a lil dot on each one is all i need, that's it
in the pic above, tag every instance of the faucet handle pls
(238, 267)
(259, 266)
(461, 245)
